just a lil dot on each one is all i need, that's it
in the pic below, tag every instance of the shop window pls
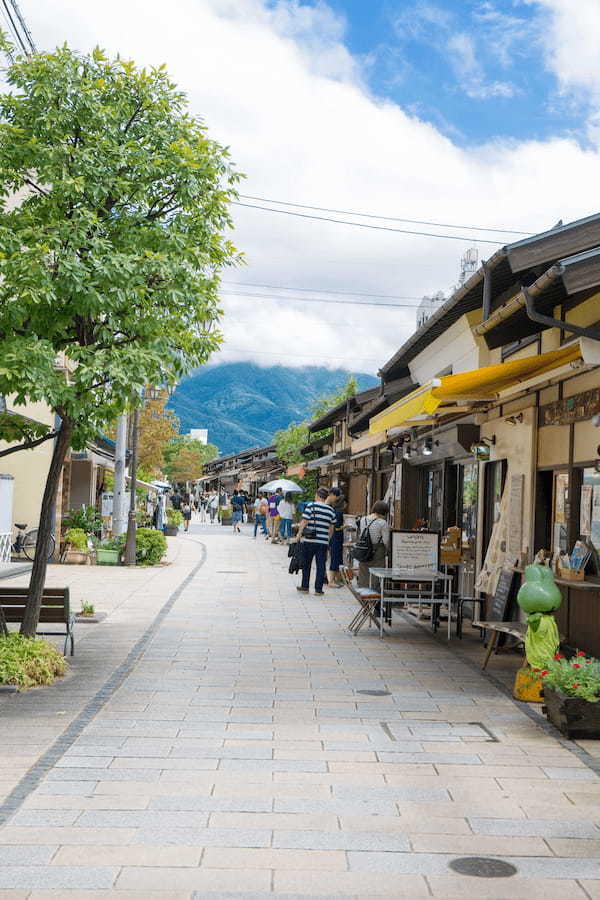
(589, 507)
(560, 513)
(495, 476)
(467, 495)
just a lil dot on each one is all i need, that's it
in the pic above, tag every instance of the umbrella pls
(288, 487)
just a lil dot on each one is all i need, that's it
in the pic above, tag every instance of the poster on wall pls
(585, 510)
(515, 515)
(415, 549)
(595, 535)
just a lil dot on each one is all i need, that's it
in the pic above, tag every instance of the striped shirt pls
(318, 516)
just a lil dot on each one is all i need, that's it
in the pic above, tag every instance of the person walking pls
(213, 506)
(273, 516)
(186, 511)
(315, 530)
(336, 545)
(379, 532)
(203, 506)
(238, 505)
(261, 509)
(286, 511)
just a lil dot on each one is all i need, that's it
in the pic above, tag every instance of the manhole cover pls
(375, 693)
(482, 867)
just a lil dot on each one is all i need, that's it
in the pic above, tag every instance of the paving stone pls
(132, 855)
(205, 837)
(57, 877)
(329, 860)
(202, 879)
(549, 828)
(25, 856)
(343, 840)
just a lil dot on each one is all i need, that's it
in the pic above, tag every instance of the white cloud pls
(277, 84)
(469, 72)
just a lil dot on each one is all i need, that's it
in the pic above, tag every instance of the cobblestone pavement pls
(239, 757)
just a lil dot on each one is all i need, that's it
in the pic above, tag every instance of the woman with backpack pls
(373, 541)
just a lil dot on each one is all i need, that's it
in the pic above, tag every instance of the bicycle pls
(26, 543)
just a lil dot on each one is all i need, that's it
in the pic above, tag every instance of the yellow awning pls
(476, 385)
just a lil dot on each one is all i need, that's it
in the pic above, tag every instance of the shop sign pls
(107, 504)
(415, 549)
(571, 409)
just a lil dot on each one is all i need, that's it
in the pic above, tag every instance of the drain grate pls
(482, 867)
(376, 693)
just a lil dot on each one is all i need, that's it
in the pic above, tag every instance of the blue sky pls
(475, 69)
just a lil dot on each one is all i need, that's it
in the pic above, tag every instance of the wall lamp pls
(481, 449)
(514, 420)
(407, 451)
(428, 445)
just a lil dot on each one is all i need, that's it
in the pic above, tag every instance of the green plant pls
(577, 677)
(174, 517)
(87, 609)
(225, 512)
(112, 252)
(77, 539)
(116, 542)
(87, 518)
(28, 662)
(151, 546)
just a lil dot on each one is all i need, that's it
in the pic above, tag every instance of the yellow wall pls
(29, 467)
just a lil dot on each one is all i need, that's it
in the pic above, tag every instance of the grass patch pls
(28, 662)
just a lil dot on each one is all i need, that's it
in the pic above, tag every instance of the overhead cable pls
(347, 212)
(281, 287)
(370, 303)
(448, 237)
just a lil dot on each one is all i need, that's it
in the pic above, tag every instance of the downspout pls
(487, 291)
(589, 331)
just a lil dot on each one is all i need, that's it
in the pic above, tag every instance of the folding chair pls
(367, 599)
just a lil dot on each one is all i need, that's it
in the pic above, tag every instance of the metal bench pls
(55, 609)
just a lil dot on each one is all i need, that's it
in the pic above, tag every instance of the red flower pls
(574, 686)
(580, 653)
(576, 666)
(557, 656)
(587, 662)
(545, 672)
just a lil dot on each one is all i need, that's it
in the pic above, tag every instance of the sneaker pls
(319, 593)
(302, 590)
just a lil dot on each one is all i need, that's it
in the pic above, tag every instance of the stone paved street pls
(238, 757)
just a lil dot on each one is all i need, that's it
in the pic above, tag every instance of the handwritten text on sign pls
(415, 549)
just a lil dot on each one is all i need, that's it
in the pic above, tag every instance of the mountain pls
(243, 404)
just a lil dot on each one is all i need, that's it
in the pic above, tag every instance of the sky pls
(462, 112)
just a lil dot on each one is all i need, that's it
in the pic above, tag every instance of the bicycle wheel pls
(30, 545)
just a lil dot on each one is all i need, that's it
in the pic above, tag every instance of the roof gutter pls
(519, 301)
(591, 331)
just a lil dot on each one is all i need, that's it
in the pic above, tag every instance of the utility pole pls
(130, 543)
(119, 516)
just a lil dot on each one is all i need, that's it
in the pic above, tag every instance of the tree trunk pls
(38, 573)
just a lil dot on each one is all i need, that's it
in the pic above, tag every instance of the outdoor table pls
(417, 586)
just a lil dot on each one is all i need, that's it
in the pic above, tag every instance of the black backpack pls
(363, 550)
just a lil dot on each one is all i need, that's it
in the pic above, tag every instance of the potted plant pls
(174, 520)
(571, 694)
(76, 544)
(108, 553)
(226, 515)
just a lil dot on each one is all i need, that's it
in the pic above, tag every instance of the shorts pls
(237, 515)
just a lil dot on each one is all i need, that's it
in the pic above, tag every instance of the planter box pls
(171, 530)
(106, 557)
(573, 716)
(226, 520)
(77, 558)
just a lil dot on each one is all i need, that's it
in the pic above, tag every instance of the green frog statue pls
(539, 596)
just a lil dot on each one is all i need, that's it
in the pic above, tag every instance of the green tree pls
(157, 426)
(111, 258)
(185, 458)
(327, 402)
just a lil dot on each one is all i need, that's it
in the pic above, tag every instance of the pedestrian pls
(213, 506)
(203, 506)
(176, 499)
(316, 528)
(286, 511)
(238, 505)
(186, 511)
(379, 533)
(273, 516)
(261, 509)
(336, 544)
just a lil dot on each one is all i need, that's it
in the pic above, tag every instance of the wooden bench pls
(55, 609)
(514, 629)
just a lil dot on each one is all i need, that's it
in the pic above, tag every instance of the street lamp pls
(148, 393)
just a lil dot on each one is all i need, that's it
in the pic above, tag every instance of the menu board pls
(415, 549)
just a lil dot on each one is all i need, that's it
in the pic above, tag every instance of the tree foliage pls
(110, 259)
(157, 426)
(185, 458)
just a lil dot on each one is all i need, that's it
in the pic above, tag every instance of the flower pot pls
(77, 558)
(107, 557)
(226, 520)
(171, 530)
(573, 716)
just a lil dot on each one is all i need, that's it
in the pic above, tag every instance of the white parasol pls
(288, 487)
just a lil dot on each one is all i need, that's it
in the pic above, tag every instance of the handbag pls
(310, 530)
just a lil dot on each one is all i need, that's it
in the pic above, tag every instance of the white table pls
(417, 586)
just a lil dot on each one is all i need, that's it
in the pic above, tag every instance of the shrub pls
(151, 546)
(576, 677)
(174, 517)
(77, 539)
(28, 662)
(87, 609)
(86, 518)
(116, 542)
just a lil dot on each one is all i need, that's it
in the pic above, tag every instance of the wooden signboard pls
(571, 409)
(415, 549)
(499, 610)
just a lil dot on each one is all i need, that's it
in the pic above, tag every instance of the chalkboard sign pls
(500, 605)
(415, 549)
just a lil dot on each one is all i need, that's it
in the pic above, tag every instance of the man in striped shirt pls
(316, 524)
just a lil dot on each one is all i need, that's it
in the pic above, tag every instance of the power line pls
(320, 300)
(448, 237)
(24, 27)
(15, 29)
(346, 212)
(281, 287)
